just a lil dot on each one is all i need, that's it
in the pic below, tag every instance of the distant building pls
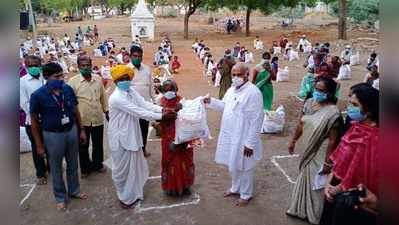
(142, 22)
(320, 7)
(95, 12)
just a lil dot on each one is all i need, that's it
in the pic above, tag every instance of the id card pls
(65, 120)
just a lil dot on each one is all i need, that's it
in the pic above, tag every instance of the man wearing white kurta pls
(126, 106)
(239, 146)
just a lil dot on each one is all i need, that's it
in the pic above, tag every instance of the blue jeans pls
(60, 145)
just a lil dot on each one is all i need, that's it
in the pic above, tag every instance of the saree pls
(177, 166)
(356, 158)
(307, 86)
(305, 202)
(263, 82)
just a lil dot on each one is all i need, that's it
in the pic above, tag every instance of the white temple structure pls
(142, 22)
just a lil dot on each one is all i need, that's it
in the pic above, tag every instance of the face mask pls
(237, 81)
(55, 84)
(136, 62)
(35, 71)
(319, 96)
(86, 72)
(355, 113)
(170, 95)
(124, 85)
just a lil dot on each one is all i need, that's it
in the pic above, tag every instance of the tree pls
(191, 7)
(122, 5)
(265, 6)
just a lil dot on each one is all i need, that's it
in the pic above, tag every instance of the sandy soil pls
(272, 188)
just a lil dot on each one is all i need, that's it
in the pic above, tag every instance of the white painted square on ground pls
(274, 160)
(194, 199)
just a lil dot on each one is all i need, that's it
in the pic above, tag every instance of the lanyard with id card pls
(65, 118)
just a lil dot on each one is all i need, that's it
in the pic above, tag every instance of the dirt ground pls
(206, 206)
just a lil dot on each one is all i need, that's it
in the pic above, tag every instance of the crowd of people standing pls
(340, 154)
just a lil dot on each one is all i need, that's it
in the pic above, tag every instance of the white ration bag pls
(276, 50)
(283, 75)
(218, 78)
(273, 121)
(308, 49)
(97, 52)
(293, 55)
(344, 72)
(24, 143)
(355, 59)
(191, 122)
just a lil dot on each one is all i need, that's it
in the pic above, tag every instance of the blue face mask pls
(170, 95)
(124, 85)
(355, 113)
(319, 96)
(55, 84)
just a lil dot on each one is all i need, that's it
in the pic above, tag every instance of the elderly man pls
(93, 104)
(143, 84)
(239, 146)
(127, 106)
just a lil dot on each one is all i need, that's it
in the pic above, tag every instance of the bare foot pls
(242, 202)
(41, 181)
(61, 206)
(227, 194)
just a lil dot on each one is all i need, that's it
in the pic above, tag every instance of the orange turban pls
(121, 70)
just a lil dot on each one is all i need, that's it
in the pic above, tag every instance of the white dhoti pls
(129, 173)
(242, 182)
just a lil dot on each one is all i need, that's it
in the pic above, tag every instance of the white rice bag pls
(191, 122)
(273, 121)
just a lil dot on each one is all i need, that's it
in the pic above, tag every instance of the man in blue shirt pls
(54, 112)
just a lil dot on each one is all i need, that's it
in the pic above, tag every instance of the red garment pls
(356, 158)
(177, 166)
(283, 43)
(175, 64)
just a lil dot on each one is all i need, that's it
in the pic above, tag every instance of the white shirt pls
(241, 125)
(28, 85)
(249, 57)
(119, 58)
(142, 81)
(106, 72)
(125, 110)
(258, 45)
(304, 42)
(376, 84)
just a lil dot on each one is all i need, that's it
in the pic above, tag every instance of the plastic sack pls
(293, 55)
(276, 50)
(97, 52)
(355, 59)
(344, 72)
(218, 78)
(308, 49)
(283, 75)
(24, 143)
(273, 121)
(191, 122)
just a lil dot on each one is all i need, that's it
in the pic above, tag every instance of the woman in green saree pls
(318, 134)
(263, 80)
